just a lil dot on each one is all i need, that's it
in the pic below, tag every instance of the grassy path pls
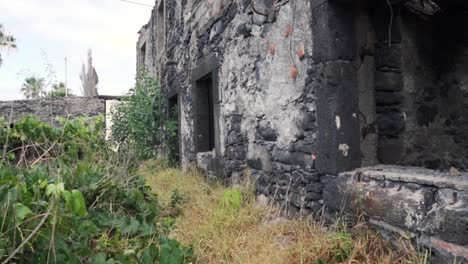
(228, 225)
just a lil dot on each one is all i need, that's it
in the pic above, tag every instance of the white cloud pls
(68, 28)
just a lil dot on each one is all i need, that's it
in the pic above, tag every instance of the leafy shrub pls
(171, 141)
(65, 198)
(140, 123)
(30, 139)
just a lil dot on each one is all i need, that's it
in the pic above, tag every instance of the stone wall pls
(265, 115)
(48, 110)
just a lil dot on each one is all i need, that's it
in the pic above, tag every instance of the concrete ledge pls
(430, 207)
(412, 175)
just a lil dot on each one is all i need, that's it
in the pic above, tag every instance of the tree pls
(33, 87)
(89, 78)
(6, 41)
(59, 90)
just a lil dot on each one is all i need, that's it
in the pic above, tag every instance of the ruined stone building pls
(332, 106)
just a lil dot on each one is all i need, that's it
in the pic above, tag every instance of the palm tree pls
(33, 87)
(6, 41)
(59, 90)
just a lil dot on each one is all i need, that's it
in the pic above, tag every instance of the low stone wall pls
(48, 110)
(429, 206)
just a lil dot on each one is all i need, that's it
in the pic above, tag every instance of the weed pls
(231, 200)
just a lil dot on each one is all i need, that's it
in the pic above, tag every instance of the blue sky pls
(47, 31)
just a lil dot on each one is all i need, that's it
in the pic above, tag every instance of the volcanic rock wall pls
(48, 110)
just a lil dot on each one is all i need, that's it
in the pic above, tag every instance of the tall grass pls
(255, 233)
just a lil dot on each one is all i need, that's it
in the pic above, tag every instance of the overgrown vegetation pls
(65, 198)
(7, 41)
(59, 90)
(228, 225)
(141, 124)
(35, 88)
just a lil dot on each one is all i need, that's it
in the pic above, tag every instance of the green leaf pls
(11, 156)
(22, 211)
(75, 203)
(56, 189)
(42, 184)
(149, 255)
(129, 226)
(101, 258)
(170, 252)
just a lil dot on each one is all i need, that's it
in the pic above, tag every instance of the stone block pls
(243, 29)
(388, 81)
(388, 98)
(314, 187)
(306, 147)
(258, 19)
(236, 152)
(448, 219)
(263, 184)
(263, 7)
(333, 32)
(293, 158)
(217, 29)
(338, 147)
(297, 199)
(265, 131)
(398, 205)
(388, 58)
(391, 123)
(312, 196)
(444, 252)
(389, 150)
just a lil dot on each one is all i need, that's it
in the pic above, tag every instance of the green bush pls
(140, 122)
(65, 198)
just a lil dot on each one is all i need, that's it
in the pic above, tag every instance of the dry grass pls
(255, 234)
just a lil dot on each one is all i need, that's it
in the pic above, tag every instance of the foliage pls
(6, 41)
(89, 78)
(65, 198)
(171, 138)
(33, 87)
(59, 90)
(139, 122)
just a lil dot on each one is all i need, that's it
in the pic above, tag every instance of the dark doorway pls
(143, 54)
(205, 129)
(173, 129)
